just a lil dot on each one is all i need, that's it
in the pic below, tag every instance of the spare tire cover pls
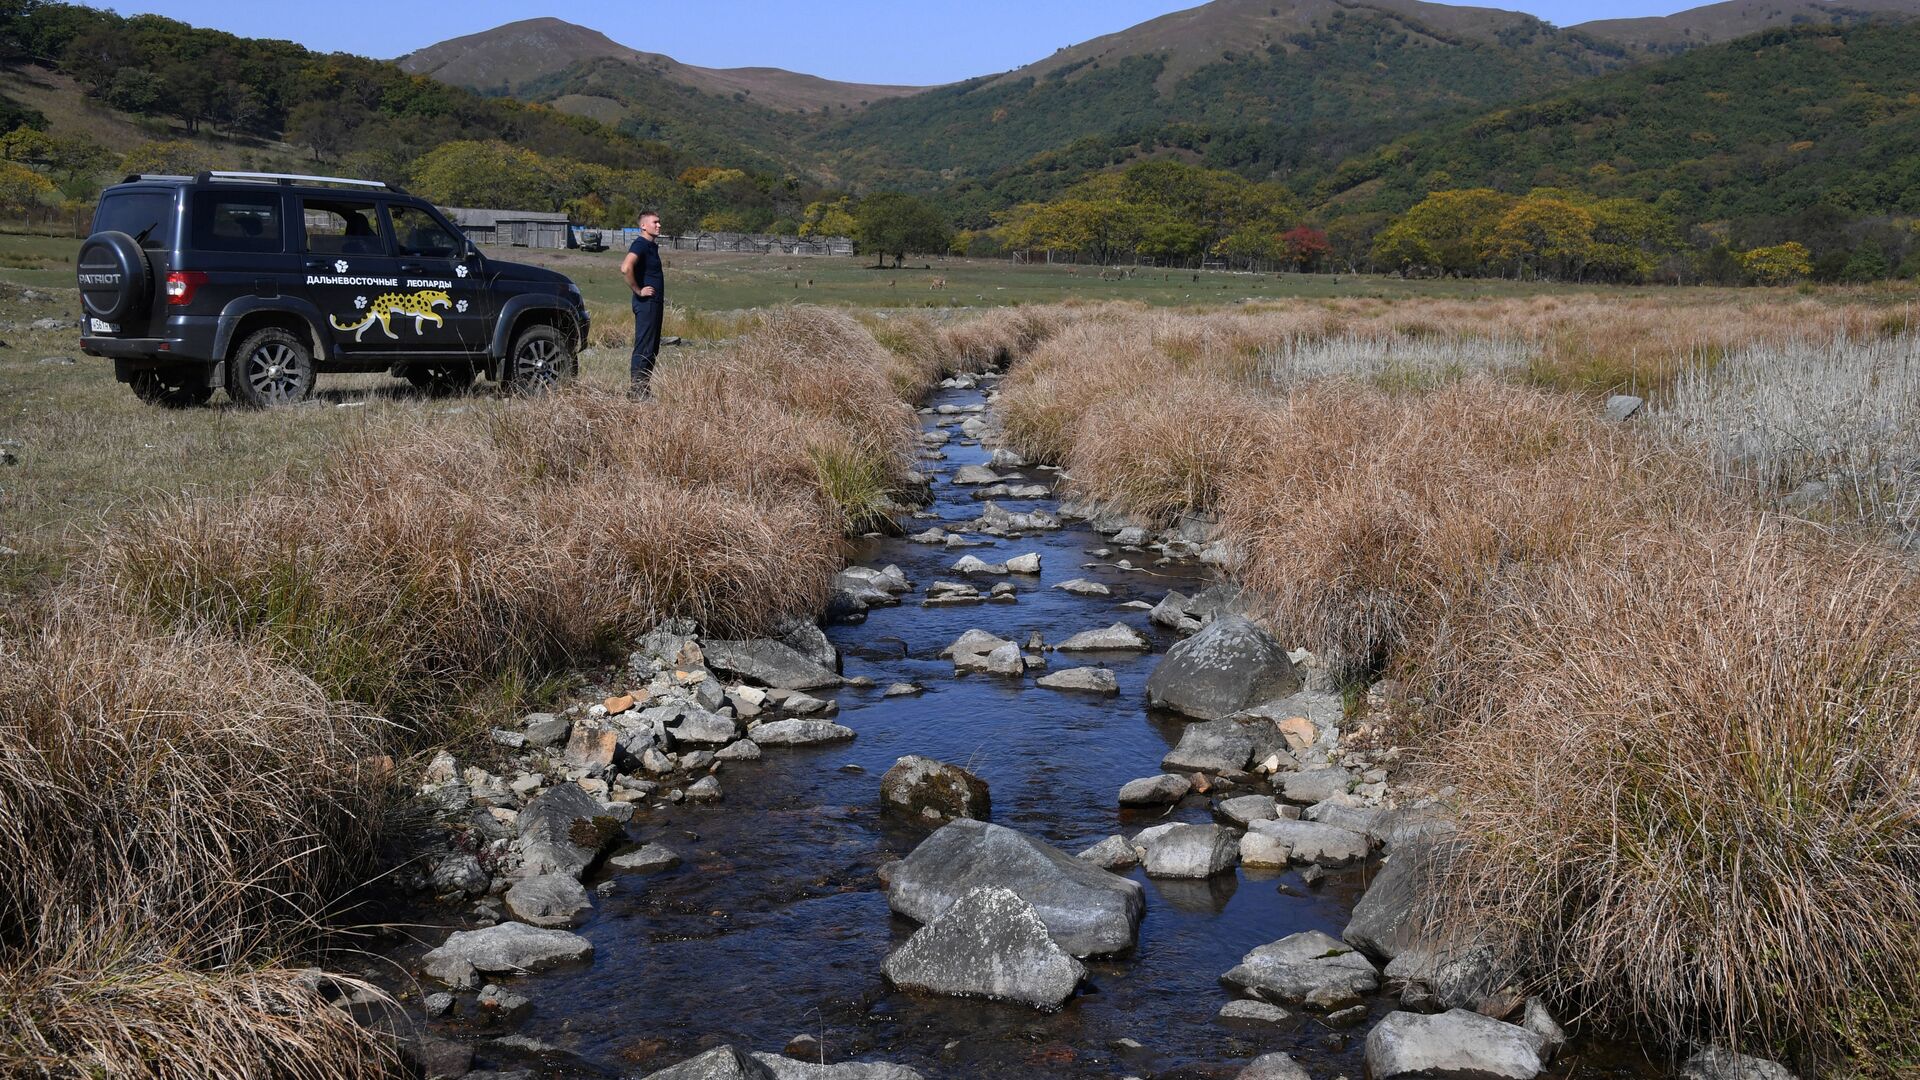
(114, 281)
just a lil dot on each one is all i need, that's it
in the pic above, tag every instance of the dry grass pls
(183, 794)
(1697, 802)
(1681, 730)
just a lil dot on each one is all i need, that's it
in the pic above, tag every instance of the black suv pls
(255, 282)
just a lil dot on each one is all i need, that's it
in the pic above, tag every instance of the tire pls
(176, 389)
(541, 359)
(272, 367)
(114, 277)
(441, 379)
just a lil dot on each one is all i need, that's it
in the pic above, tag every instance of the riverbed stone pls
(805, 637)
(926, 790)
(1159, 790)
(1312, 842)
(1228, 666)
(1116, 638)
(646, 859)
(562, 831)
(1307, 968)
(1083, 587)
(780, 1067)
(1719, 1063)
(1213, 746)
(1274, 1066)
(551, 900)
(799, 732)
(511, 948)
(1093, 680)
(739, 750)
(1315, 785)
(1248, 1010)
(1113, 853)
(770, 663)
(702, 728)
(1005, 660)
(1089, 911)
(1024, 564)
(705, 789)
(969, 475)
(1456, 1045)
(1193, 851)
(1243, 810)
(970, 650)
(1257, 849)
(973, 564)
(989, 943)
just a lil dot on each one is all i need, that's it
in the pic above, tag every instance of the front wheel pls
(272, 367)
(172, 389)
(542, 358)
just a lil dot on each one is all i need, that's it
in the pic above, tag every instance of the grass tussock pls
(1700, 811)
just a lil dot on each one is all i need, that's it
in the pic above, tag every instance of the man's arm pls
(628, 267)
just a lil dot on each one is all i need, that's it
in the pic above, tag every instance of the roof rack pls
(290, 179)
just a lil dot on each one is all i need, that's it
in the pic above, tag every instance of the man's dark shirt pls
(647, 271)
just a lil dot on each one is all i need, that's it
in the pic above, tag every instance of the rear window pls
(147, 216)
(242, 221)
(342, 227)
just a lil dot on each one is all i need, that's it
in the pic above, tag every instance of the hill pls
(1738, 18)
(508, 59)
(1763, 128)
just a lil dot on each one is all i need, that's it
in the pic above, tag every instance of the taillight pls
(181, 285)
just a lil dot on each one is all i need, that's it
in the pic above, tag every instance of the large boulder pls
(1312, 842)
(510, 948)
(1274, 1066)
(769, 663)
(1457, 1045)
(1219, 746)
(1088, 911)
(555, 900)
(1384, 923)
(1307, 968)
(1315, 785)
(799, 732)
(1162, 790)
(1192, 851)
(563, 831)
(1226, 667)
(989, 943)
(720, 1063)
(1118, 637)
(932, 791)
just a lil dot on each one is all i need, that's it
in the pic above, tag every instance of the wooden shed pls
(519, 228)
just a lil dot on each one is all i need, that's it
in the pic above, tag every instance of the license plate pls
(102, 326)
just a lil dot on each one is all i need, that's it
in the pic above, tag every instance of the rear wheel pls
(272, 367)
(175, 389)
(441, 379)
(541, 359)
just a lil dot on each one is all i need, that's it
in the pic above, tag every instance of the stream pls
(776, 925)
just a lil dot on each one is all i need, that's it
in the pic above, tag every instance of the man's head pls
(650, 223)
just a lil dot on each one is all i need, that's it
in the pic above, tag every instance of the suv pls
(256, 282)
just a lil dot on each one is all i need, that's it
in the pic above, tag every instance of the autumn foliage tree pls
(1305, 247)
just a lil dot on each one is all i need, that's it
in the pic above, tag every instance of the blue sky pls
(881, 41)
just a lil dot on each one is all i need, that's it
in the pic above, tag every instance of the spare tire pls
(115, 281)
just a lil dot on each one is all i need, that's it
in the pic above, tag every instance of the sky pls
(913, 42)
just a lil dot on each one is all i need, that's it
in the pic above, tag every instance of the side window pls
(237, 221)
(342, 227)
(416, 233)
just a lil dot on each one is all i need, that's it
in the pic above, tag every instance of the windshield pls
(147, 216)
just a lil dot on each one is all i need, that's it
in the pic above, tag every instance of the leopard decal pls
(418, 305)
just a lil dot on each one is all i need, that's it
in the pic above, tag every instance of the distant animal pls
(938, 283)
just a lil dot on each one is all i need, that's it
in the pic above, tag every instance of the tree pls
(493, 174)
(21, 187)
(1448, 231)
(1778, 264)
(1304, 247)
(890, 223)
(1547, 236)
(828, 218)
(171, 157)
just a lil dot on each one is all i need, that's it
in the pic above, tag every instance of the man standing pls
(648, 281)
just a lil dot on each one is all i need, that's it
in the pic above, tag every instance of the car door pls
(353, 276)
(433, 258)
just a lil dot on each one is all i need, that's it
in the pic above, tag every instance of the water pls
(776, 925)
